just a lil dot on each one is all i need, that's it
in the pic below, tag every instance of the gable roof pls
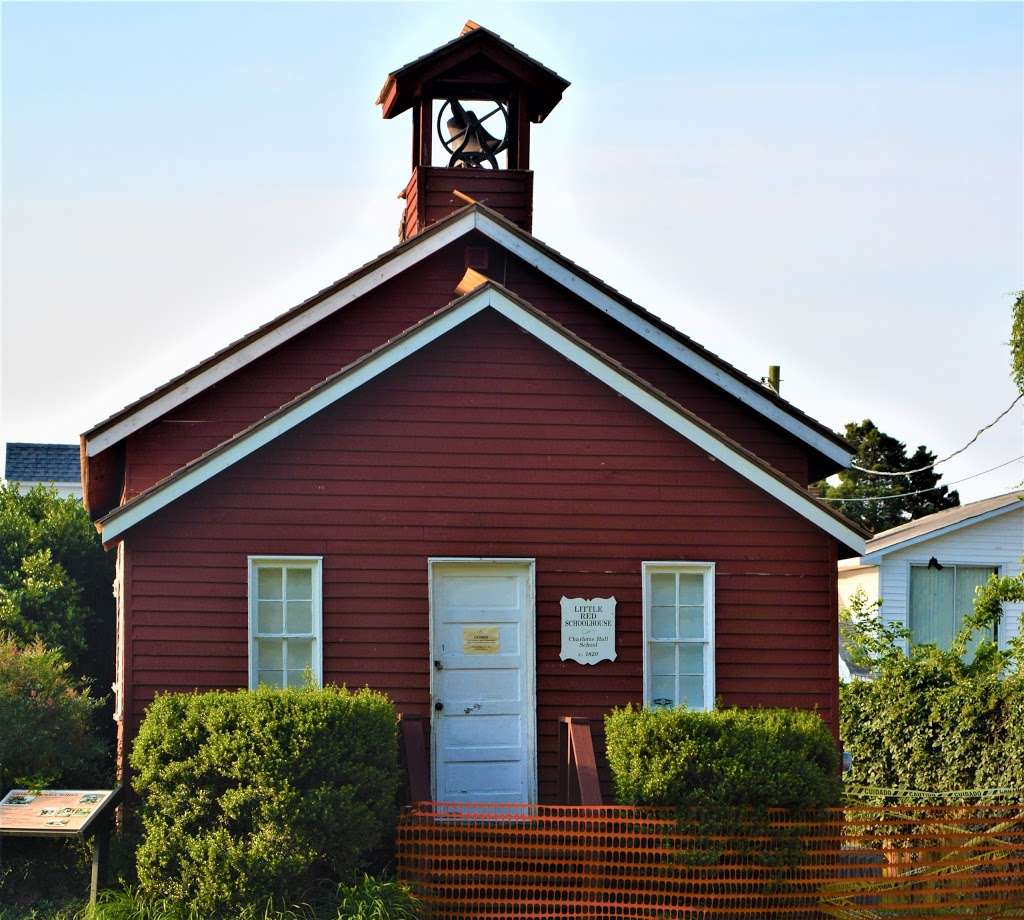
(25, 462)
(402, 86)
(488, 296)
(502, 231)
(939, 524)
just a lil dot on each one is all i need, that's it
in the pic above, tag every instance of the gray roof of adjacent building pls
(942, 519)
(47, 463)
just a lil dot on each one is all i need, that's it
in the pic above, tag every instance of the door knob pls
(438, 706)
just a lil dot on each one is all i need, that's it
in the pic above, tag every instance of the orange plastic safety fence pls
(861, 863)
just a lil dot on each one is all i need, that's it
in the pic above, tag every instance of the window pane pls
(663, 659)
(297, 679)
(270, 678)
(663, 623)
(691, 589)
(269, 582)
(691, 659)
(270, 617)
(300, 584)
(300, 616)
(300, 654)
(968, 580)
(663, 589)
(691, 622)
(269, 653)
(691, 692)
(663, 691)
(931, 605)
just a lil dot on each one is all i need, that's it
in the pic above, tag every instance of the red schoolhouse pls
(476, 477)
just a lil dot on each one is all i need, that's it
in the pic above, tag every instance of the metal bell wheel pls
(466, 139)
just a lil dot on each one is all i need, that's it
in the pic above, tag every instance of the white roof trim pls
(118, 521)
(424, 247)
(875, 557)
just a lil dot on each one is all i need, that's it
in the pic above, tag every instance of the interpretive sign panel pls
(588, 629)
(84, 813)
(50, 811)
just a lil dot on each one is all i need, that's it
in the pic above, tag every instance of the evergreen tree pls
(877, 450)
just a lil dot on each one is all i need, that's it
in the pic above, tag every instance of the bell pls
(471, 141)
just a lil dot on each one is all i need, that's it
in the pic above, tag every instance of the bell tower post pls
(473, 103)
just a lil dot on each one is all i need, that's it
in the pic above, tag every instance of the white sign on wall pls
(588, 629)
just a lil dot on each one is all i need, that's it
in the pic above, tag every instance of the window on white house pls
(285, 617)
(679, 641)
(941, 599)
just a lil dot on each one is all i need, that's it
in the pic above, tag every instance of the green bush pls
(937, 720)
(723, 772)
(55, 579)
(46, 722)
(250, 797)
(733, 757)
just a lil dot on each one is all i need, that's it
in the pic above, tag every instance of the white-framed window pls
(679, 634)
(285, 620)
(941, 598)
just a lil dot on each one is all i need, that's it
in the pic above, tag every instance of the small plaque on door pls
(480, 640)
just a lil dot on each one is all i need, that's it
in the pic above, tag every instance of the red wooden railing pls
(414, 732)
(578, 783)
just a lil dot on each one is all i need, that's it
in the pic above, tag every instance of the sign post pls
(82, 813)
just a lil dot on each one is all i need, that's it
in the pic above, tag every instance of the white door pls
(482, 688)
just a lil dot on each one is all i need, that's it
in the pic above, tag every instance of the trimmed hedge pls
(722, 772)
(250, 797)
(732, 757)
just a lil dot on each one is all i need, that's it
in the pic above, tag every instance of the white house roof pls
(939, 524)
(571, 347)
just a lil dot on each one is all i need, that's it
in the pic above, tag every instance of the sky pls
(835, 188)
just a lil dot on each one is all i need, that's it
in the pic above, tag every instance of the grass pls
(371, 899)
(49, 880)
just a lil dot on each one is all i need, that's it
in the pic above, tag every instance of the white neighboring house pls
(926, 571)
(56, 465)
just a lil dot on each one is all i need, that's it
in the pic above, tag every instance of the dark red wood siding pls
(429, 195)
(267, 383)
(486, 443)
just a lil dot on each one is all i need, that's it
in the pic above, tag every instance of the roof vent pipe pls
(774, 378)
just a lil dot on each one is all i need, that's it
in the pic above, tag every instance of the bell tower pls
(473, 102)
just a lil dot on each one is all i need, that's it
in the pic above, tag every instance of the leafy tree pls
(47, 718)
(1017, 342)
(877, 450)
(56, 580)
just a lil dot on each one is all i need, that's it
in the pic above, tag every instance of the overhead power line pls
(889, 498)
(977, 434)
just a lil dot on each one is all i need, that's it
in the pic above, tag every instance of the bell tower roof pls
(477, 57)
